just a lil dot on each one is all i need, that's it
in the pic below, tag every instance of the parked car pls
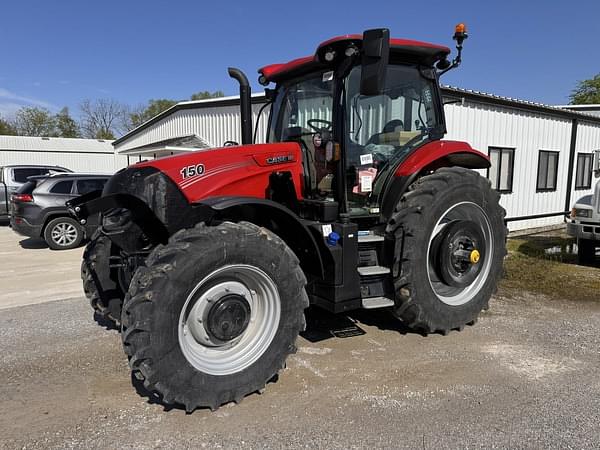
(14, 176)
(38, 208)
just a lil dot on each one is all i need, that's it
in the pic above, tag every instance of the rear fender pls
(436, 154)
(426, 159)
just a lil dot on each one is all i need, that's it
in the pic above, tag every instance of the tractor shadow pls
(322, 325)
(156, 399)
(152, 397)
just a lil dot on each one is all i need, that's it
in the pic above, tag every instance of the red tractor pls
(208, 260)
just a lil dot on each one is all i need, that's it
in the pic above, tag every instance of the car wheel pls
(63, 233)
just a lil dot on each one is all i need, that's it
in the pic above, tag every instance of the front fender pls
(273, 216)
(140, 213)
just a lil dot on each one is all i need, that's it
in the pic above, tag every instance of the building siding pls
(79, 155)
(215, 124)
(485, 126)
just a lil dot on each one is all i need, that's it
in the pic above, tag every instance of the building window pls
(500, 172)
(583, 178)
(547, 171)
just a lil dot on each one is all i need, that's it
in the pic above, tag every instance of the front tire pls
(100, 281)
(214, 314)
(450, 244)
(63, 233)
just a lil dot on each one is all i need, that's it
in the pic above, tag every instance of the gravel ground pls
(525, 376)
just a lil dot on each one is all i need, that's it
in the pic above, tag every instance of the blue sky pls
(56, 53)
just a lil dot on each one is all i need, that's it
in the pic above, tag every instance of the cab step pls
(367, 271)
(377, 302)
(369, 238)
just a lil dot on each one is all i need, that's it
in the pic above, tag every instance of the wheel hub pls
(228, 318)
(64, 234)
(457, 252)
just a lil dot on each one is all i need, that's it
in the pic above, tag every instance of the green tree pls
(586, 92)
(203, 95)
(66, 125)
(6, 128)
(145, 113)
(33, 121)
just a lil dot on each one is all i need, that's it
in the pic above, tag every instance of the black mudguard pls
(142, 208)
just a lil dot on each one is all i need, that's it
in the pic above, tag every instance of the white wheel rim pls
(64, 234)
(455, 296)
(207, 354)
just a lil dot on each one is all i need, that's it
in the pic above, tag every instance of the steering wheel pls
(313, 124)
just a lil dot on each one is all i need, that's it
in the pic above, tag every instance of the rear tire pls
(586, 251)
(63, 233)
(172, 330)
(450, 243)
(100, 281)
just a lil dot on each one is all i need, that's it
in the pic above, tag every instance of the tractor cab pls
(357, 108)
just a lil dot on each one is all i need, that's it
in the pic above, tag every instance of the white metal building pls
(541, 155)
(79, 155)
(593, 109)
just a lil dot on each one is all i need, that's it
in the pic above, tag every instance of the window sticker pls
(365, 159)
(366, 183)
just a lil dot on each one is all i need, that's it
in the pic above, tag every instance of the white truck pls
(585, 219)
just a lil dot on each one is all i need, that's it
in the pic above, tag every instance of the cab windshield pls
(382, 129)
(303, 112)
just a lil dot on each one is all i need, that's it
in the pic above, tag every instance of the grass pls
(530, 267)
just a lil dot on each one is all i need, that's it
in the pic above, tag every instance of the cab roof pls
(413, 51)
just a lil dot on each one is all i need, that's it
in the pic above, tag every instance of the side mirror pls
(596, 163)
(375, 59)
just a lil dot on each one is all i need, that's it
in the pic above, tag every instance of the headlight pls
(578, 212)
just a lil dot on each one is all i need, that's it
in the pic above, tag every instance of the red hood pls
(236, 170)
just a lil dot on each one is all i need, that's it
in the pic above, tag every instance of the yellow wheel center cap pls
(474, 256)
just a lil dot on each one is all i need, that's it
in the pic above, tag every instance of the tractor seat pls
(390, 127)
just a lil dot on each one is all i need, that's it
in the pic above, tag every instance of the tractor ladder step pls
(370, 238)
(377, 302)
(366, 271)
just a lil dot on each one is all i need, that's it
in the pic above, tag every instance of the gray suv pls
(38, 208)
(14, 176)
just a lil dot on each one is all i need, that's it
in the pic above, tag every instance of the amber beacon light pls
(460, 33)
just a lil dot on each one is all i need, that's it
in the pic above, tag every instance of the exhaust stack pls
(245, 104)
